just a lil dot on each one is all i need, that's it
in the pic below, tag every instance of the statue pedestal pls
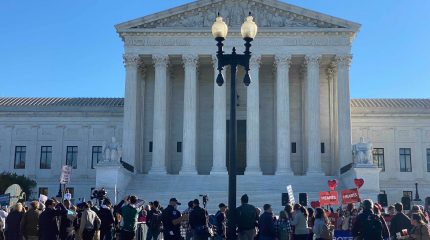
(370, 175)
(111, 176)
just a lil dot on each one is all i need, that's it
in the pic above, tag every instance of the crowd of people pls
(52, 220)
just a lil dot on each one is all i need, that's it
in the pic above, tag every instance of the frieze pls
(285, 41)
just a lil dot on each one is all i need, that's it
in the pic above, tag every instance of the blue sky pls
(54, 48)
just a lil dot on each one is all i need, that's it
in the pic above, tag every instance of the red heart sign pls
(359, 182)
(315, 204)
(332, 184)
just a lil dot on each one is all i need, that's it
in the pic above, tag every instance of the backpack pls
(155, 221)
(372, 228)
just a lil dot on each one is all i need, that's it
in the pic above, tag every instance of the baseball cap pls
(175, 200)
(221, 205)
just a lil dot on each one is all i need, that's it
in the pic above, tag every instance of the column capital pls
(331, 70)
(344, 60)
(190, 60)
(255, 61)
(131, 59)
(283, 60)
(312, 59)
(160, 60)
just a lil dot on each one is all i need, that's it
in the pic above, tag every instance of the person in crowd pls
(399, 221)
(90, 222)
(13, 222)
(347, 219)
(322, 226)
(153, 221)
(416, 209)
(198, 222)
(266, 224)
(48, 220)
(311, 220)
(93, 207)
(172, 219)
(300, 222)
(29, 225)
(377, 209)
(420, 230)
(3, 215)
(368, 225)
(246, 219)
(107, 220)
(185, 221)
(284, 228)
(67, 230)
(221, 220)
(129, 214)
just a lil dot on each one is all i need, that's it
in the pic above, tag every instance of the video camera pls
(205, 199)
(99, 194)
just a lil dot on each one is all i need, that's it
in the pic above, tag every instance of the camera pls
(99, 194)
(205, 199)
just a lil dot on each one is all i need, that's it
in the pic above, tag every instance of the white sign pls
(291, 194)
(68, 196)
(66, 172)
(42, 198)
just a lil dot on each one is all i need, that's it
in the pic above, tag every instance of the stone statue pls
(362, 152)
(112, 152)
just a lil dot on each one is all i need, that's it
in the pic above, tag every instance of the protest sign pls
(329, 198)
(350, 196)
(42, 198)
(291, 194)
(342, 235)
(5, 199)
(66, 172)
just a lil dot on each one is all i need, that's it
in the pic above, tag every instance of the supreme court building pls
(296, 121)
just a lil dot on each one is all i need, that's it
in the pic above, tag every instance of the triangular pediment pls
(267, 14)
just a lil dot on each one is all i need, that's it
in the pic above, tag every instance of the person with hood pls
(89, 223)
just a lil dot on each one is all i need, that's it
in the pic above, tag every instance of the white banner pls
(291, 194)
(66, 172)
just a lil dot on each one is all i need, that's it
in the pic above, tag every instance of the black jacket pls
(66, 227)
(197, 217)
(106, 217)
(266, 225)
(399, 222)
(361, 225)
(48, 224)
(169, 214)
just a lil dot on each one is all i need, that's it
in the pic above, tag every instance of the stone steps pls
(261, 189)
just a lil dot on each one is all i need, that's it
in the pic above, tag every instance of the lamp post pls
(219, 31)
(417, 195)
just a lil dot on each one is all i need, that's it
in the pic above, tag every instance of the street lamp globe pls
(249, 28)
(219, 28)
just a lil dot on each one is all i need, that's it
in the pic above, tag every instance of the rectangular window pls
(45, 157)
(293, 147)
(407, 194)
(97, 155)
(322, 148)
(72, 156)
(428, 159)
(20, 157)
(43, 190)
(378, 158)
(150, 146)
(179, 147)
(405, 160)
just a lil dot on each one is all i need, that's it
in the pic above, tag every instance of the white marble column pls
(283, 150)
(159, 152)
(344, 110)
(190, 116)
(220, 124)
(312, 121)
(130, 128)
(253, 118)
